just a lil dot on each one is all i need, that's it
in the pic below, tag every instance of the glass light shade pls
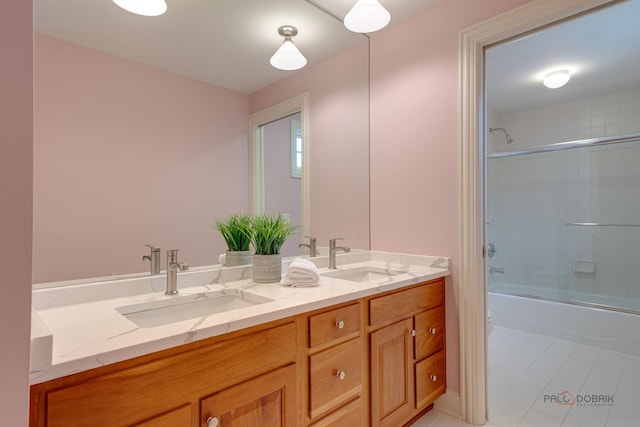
(288, 57)
(556, 79)
(367, 16)
(143, 7)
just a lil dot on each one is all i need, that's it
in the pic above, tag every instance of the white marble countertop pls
(78, 327)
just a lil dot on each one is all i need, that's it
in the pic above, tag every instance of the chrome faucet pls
(153, 258)
(173, 265)
(332, 251)
(313, 251)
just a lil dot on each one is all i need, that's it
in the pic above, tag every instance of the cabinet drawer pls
(350, 415)
(328, 389)
(334, 324)
(430, 379)
(400, 304)
(429, 328)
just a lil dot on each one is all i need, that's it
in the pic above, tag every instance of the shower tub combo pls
(563, 241)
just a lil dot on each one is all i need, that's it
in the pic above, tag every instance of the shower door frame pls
(473, 128)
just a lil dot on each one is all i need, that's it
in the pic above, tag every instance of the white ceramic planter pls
(267, 268)
(235, 258)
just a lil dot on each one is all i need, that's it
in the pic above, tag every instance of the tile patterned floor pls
(527, 370)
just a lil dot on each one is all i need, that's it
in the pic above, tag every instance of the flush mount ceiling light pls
(556, 79)
(143, 7)
(367, 16)
(288, 57)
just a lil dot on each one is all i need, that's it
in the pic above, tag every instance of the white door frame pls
(472, 282)
(286, 108)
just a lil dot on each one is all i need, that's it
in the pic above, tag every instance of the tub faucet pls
(311, 245)
(332, 251)
(173, 265)
(496, 270)
(154, 259)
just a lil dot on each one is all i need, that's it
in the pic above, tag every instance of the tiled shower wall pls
(615, 113)
(531, 198)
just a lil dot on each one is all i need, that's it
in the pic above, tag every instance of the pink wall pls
(282, 192)
(16, 136)
(127, 155)
(414, 139)
(339, 142)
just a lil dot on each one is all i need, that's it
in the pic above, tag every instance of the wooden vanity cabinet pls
(377, 361)
(241, 376)
(406, 330)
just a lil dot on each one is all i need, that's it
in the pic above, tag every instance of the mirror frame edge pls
(285, 108)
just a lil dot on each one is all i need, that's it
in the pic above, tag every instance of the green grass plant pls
(270, 233)
(237, 231)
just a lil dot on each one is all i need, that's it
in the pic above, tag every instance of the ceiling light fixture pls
(556, 79)
(367, 16)
(288, 57)
(143, 7)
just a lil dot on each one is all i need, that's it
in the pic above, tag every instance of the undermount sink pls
(363, 274)
(178, 308)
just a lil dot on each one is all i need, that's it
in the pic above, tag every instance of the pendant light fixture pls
(367, 16)
(288, 57)
(143, 7)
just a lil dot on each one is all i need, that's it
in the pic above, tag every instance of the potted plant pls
(237, 231)
(269, 234)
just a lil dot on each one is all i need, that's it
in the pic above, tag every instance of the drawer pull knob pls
(412, 332)
(433, 331)
(340, 324)
(341, 375)
(213, 422)
(433, 378)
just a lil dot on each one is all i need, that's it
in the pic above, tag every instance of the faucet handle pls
(332, 242)
(153, 248)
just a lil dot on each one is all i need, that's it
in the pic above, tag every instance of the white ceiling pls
(602, 51)
(229, 43)
(223, 42)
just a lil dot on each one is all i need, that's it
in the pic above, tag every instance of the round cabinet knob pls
(433, 378)
(340, 324)
(412, 332)
(213, 422)
(341, 375)
(433, 331)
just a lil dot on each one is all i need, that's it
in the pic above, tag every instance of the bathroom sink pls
(175, 309)
(363, 274)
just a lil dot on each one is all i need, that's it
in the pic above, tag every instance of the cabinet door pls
(391, 385)
(267, 401)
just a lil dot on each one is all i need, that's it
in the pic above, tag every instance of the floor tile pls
(526, 370)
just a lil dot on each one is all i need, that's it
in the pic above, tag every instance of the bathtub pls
(611, 330)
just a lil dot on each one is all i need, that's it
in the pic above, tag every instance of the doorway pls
(473, 128)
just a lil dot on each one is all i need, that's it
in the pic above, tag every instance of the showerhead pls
(506, 134)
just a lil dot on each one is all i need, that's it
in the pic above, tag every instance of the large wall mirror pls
(141, 130)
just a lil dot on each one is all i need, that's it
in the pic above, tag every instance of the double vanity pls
(365, 347)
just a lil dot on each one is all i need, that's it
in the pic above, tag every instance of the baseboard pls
(449, 403)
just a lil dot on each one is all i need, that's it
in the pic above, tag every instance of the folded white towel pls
(301, 273)
(299, 283)
(301, 262)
